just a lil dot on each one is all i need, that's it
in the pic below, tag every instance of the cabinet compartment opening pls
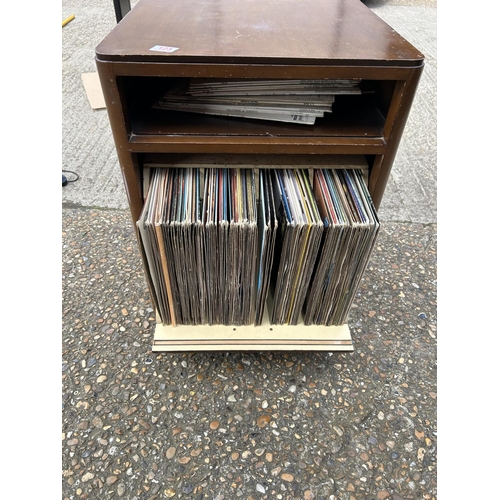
(357, 116)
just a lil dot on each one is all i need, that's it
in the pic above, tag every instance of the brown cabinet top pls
(325, 32)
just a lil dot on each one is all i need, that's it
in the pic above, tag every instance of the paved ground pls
(216, 426)
(222, 426)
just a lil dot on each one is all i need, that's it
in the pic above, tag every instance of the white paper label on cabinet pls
(164, 48)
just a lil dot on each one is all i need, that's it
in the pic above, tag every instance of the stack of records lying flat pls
(292, 101)
(351, 228)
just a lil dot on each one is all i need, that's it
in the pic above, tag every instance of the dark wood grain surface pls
(268, 31)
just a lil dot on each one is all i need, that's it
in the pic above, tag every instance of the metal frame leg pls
(122, 8)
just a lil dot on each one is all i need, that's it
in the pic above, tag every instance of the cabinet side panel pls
(117, 113)
(399, 111)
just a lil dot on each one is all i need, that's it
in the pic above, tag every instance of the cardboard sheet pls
(93, 89)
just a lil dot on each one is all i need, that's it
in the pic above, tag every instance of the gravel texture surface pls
(333, 426)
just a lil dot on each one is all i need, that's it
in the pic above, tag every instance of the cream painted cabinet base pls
(267, 337)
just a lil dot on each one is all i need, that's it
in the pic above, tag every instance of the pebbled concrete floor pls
(332, 426)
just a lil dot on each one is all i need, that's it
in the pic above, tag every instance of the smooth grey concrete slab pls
(88, 148)
(87, 143)
(411, 191)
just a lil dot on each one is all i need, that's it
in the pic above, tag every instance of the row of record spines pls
(200, 241)
(347, 245)
(209, 295)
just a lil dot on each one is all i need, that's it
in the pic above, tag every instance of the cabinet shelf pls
(355, 122)
(355, 116)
